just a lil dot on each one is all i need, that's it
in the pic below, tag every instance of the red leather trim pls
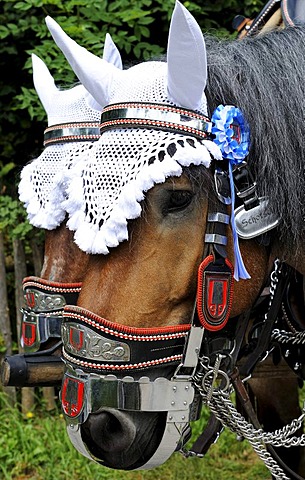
(41, 282)
(200, 297)
(171, 329)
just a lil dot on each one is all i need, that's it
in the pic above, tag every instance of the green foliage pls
(13, 218)
(36, 446)
(3, 347)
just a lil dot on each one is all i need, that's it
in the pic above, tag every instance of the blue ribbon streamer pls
(234, 150)
(240, 270)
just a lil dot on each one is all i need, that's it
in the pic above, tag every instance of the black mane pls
(265, 78)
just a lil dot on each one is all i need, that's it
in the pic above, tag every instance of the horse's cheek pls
(246, 291)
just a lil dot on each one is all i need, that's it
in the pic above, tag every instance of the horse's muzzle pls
(126, 423)
(122, 440)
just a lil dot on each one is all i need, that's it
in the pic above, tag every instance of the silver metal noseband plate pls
(86, 343)
(43, 302)
(84, 393)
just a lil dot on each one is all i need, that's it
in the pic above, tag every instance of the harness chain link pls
(218, 401)
(288, 337)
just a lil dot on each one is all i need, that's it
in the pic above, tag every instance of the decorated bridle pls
(41, 316)
(44, 300)
(108, 365)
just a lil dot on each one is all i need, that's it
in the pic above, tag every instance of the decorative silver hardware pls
(193, 344)
(37, 328)
(43, 302)
(175, 396)
(219, 217)
(215, 238)
(72, 132)
(156, 115)
(256, 221)
(248, 191)
(160, 395)
(222, 186)
(83, 342)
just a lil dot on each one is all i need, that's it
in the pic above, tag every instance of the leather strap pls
(265, 334)
(209, 436)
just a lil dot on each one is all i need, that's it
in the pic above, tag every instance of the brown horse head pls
(148, 286)
(73, 126)
(151, 280)
(63, 260)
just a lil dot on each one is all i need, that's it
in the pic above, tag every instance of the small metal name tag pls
(255, 222)
(86, 343)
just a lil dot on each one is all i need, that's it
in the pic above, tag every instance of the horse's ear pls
(93, 72)
(186, 60)
(43, 82)
(111, 53)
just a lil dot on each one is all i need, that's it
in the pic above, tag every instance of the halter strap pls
(157, 116)
(72, 132)
(95, 344)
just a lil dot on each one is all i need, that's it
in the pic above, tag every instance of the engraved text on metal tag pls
(256, 221)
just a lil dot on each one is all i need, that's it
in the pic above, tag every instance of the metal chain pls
(282, 336)
(225, 412)
(274, 280)
(215, 388)
(278, 438)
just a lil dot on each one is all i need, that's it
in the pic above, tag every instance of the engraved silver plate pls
(143, 394)
(255, 222)
(43, 302)
(86, 343)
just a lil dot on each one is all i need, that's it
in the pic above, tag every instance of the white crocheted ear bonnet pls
(107, 189)
(73, 126)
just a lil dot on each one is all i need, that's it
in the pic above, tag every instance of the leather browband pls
(72, 132)
(154, 115)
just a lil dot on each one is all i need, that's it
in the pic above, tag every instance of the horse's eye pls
(178, 200)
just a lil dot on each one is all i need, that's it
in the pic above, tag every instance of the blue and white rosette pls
(226, 122)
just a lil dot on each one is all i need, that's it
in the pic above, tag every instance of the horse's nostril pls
(111, 429)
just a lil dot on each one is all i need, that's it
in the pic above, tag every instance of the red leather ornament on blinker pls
(214, 292)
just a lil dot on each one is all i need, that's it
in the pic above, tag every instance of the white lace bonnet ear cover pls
(44, 181)
(108, 188)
